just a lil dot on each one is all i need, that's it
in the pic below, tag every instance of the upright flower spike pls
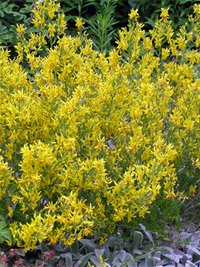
(20, 30)
(61, 24)
(51, 29)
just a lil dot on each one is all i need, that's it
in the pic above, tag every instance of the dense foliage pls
(90, 141)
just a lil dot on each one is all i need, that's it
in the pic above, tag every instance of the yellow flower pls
(189, 124)
(197, 10)
(192, 190)
(164, 13)
(181, 43)
(61, 23)
(147, 43)
(10, 211)
(79, 23)
(165, 53)
(52, 8)
(197, 163)
(133, 14)
(51, 30)
(20, 30)
(143, 211)
(170, 195)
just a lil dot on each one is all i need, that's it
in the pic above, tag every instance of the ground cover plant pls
(91, 142)
(140, 249)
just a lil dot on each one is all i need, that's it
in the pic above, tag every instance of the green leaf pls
(137, 239)
(149, 262)
(184, 1)
(68, 259)
(1, 14)
(4, 232)
(83, 261)
(147, 233)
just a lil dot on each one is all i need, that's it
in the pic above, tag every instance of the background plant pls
(102, 26)
(12, 13)
(149, 11)
(103, 18)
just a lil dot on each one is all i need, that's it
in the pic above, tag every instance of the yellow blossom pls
(20, 30)
(51, 30)
(192, 190)
(164, 13)
(79, 23)
(165, 53)
(61, 24)
(197, 10)
(133, 14)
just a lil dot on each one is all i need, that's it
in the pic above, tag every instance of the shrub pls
(88, 140)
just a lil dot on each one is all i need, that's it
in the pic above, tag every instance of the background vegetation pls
(102, 18)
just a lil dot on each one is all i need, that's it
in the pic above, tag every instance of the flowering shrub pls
(90, 140)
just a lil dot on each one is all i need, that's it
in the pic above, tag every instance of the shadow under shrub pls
(90, 141)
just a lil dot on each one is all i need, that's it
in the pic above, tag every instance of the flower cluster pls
(89, 140)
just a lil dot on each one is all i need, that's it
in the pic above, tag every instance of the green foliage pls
(150, 10)
(103, 18)
(101, 26)
(5, 234)
(77, 8)
(7, 15)
(100, 20)
(98, 15)
(12, 13)
(162, 211)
